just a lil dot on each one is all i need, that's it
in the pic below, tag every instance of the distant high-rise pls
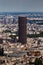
(22, 22)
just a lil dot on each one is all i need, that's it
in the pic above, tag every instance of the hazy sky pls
(21, 5)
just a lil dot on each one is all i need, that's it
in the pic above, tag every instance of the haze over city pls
(21, 5)
(21, 32)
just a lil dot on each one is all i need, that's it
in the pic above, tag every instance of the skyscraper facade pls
(22, 23)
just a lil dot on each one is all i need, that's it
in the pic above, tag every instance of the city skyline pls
(21, 6)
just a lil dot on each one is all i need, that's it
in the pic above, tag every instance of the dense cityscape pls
(29, 51)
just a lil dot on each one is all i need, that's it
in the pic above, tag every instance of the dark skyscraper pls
(22, 30)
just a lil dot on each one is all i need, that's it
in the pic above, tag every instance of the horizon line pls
(20, 12)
